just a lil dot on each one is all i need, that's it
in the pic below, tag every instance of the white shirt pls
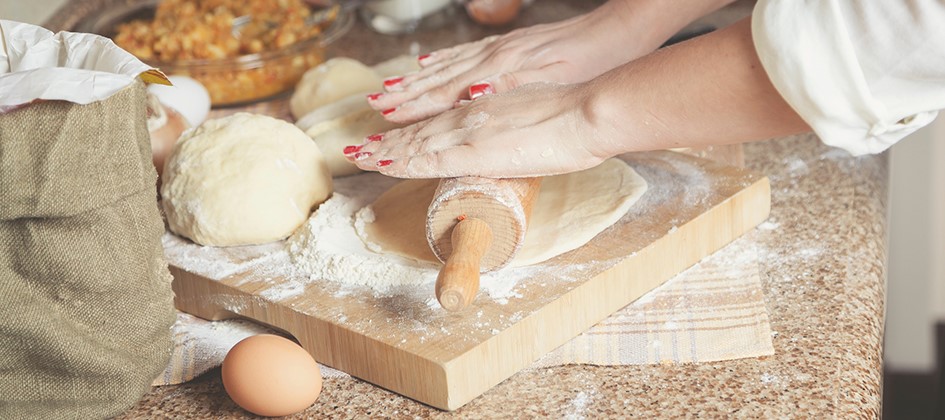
(862, 73)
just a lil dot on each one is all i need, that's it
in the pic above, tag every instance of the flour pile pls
(328, 247)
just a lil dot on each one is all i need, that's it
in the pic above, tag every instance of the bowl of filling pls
(241, 50)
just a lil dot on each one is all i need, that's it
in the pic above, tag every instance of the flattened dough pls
(570, 211)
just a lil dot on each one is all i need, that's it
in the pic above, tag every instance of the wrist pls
(617, 118)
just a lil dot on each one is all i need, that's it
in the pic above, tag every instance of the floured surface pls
(402, 340)
(570, 210)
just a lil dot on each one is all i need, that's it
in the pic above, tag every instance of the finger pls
(362, 151)
(438, 100)
(427, 165)
(450, 60)
(450, 81)
(417, 146)
(471, 84)
(479, 90)
(439, 67)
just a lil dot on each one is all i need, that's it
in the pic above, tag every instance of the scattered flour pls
(476, 120)
(219, 263)
(769, 225)
(328, 247)
(767, 378)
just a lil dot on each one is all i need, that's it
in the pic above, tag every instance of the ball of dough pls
(330, 81)
(243, 179)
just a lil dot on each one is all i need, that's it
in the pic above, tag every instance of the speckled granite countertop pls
(823, 271)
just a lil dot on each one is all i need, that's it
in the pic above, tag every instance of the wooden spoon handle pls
(458, 281)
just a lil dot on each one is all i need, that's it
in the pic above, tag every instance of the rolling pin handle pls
(458, 282)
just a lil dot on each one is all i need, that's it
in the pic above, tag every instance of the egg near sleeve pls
(271, 376)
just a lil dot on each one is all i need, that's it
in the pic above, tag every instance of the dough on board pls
(241, 180)
(342, 123)
(347, 119)
(330, 81)
(570, 210)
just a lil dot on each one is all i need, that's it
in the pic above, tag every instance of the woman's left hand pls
(539, 129)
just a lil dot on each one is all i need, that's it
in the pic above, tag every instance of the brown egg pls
(493, 12)
(271, 376)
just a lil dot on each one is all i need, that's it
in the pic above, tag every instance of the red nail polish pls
(480, 89)
(393, 81)
(384, 162)
(374, 96)
(423, 57)
(388, 111)
(375, 137)
(361, 155)
(351, 149)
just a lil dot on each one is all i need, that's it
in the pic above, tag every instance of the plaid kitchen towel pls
(713, 311)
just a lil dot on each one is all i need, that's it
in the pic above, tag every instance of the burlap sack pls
(85, 299)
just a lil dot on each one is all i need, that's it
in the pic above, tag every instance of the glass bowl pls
(241, 79)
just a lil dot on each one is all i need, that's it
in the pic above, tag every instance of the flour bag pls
(85, 297)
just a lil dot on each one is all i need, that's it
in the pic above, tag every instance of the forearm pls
(709, 91)
(652, 22)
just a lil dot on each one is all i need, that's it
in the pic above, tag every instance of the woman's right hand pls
(540, 129)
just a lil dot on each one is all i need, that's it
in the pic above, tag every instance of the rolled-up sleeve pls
(862, 74)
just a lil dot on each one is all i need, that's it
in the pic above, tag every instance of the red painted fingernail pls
(374, 96)
(388, 111)
(351, 149)
(480, 89)
(393, 81)
(375, 137)
(423, 57)
(384, 162)
(361, 155)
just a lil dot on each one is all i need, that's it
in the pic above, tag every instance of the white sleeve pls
(862, 74)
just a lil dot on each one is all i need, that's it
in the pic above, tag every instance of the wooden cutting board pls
(408, 344)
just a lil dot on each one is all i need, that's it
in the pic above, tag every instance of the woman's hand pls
(571, 51)
(539, 129)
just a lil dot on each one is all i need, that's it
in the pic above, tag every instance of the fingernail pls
(393, 81)
(461, 102)
(375, 137)
(480, 89)
(388, 111)
(423, 57)
(384, 162)
(361, 155)
(351, 149)
(374, 96)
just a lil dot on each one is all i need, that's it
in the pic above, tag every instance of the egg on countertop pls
(269, 375)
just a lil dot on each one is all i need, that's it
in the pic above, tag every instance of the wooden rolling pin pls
(476, 225)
